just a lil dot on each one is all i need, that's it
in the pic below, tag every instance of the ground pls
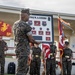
(9, 74)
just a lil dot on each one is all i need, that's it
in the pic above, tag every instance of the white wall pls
(72, 45)
(7, 61)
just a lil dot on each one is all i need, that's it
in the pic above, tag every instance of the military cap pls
(25, 11)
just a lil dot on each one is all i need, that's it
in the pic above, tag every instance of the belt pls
(51, 53)
(66, 56)
(16, 42)
(36, 56)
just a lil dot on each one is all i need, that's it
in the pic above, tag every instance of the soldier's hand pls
(38, 43)
(52, 58)
(43, 60)
(29, 59)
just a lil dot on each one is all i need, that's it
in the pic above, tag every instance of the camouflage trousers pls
(50, 67)
(35, 66)
(67, 67)
(22, 65)
(2, 64)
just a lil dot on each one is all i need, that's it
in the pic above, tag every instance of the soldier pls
(23, 36)
(50, 55)
(3, 48)
(51, 61)
(36, 60)
(66, 59)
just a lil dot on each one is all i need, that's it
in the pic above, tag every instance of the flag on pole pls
(61, 36)
(61, 39)
(46, 54)
(46, 50)
(64, 22)
(61, 24)
(5, 29)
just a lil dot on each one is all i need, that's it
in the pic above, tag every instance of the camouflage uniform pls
(67, 65)
(21, 29)
(3, 47)
(50, 62)
(36, 61)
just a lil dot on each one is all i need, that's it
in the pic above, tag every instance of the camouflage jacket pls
(21, 29)
(3, 47)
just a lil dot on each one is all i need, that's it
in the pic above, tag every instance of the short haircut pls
(66, 42)
(25, 11)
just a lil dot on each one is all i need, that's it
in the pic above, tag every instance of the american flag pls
(46, 50)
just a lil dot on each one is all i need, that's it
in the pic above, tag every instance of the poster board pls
(42, 27)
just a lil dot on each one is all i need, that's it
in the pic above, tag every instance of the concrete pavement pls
(8, 60)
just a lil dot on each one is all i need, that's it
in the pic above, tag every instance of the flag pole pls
(60, 54)
(61, 63)
(62, 23)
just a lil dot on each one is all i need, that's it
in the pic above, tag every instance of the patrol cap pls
(66, 42)
(25, 11)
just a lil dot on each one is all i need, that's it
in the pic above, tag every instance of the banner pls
(42, 27)
(5, 29)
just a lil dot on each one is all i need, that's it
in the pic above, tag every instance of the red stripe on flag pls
(47, 54)
(46, 50)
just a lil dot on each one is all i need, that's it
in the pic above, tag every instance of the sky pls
(62, 6)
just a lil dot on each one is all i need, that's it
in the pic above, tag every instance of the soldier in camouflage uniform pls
(36, 60)
(23, 36)
(51, 62)
(3, 47)
(67, 59)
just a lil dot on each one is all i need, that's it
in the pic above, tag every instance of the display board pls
(42, 27)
